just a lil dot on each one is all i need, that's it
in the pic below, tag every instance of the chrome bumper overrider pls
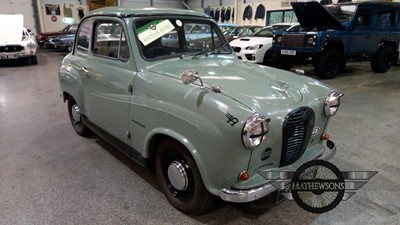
(259, 192)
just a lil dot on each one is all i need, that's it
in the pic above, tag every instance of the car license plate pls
(288, 52)
(8, 57)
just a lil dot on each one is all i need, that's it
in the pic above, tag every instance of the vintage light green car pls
(205, 120)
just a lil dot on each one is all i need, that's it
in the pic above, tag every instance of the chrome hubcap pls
(177, 175)
(75, 114)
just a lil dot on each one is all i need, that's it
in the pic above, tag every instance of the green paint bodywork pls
(160, 104)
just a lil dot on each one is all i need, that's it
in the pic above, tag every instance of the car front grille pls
(297, 130)
(292, 40)
(237, 49)
(11, 48)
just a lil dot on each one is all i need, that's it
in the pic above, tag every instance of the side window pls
(110, 41)
(363, 18)
(387, 19)
(84, 36)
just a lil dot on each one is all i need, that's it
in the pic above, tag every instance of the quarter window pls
(84, 35)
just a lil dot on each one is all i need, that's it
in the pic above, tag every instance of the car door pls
(361, 33)
(109, 78)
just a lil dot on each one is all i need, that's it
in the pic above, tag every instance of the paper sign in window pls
(154, 30)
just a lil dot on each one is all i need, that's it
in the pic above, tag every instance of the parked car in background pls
(43, 39)
(184, 109)
(227, 27)
(63, 42)
(16, 42)
(253, 48)
(241, 31)
(336, 33)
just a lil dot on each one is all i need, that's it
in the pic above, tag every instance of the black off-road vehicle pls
(333, 34)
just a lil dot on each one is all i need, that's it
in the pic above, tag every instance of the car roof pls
(372, 3)
(137, 12)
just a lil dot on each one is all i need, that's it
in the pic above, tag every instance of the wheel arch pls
(388, 43)
(333, 43)
(156, 136)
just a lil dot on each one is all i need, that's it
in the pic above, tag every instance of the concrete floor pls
(50, 175)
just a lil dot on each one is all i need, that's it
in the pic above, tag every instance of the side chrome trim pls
(266, 189)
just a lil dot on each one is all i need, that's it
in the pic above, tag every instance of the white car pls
(253, 48)
(15, 40)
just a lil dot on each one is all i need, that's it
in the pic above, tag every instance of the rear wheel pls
(383, 60)
(76, 118)
(329, 64)
(180, 180)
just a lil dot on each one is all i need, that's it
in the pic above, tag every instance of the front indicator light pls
(244, 175)
(325, 136)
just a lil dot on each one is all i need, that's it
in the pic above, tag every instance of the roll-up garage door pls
(24, 7)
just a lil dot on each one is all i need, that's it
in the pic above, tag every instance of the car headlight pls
(254, 47)
(310, 41)
(254, 131)
(332, 103)
(31, 45)
(277, 39)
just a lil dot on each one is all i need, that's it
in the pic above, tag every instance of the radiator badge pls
(315, 131)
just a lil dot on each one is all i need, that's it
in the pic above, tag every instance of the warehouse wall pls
(65, 8)
(239, 7)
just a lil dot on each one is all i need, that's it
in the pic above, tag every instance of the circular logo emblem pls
(54, 18)
(153, 26)
(317, 186)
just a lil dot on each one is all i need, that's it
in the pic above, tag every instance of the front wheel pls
(180, 180)
(329, 64)
(383, 60)
(76, 118)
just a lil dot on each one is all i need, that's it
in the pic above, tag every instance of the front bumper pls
(15, 55)
(230, 195)
(247, 55)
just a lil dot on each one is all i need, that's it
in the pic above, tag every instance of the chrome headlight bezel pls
(254, 131)
(332, 103)
(309, 41)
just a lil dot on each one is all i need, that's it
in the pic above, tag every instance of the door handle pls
(86, 71)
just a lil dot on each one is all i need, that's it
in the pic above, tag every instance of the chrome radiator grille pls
(297, 130)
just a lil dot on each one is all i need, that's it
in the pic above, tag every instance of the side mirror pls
(189, 77)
